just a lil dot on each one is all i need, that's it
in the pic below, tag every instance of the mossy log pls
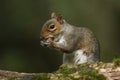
(87, 71)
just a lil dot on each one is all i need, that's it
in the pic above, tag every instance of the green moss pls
(77, 72)
(42, 76)
(89, 73)
(81, 72)
(116, 62)
(92, 74)
(65, 70)
(100, 63)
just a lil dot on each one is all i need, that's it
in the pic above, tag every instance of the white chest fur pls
(77, 57)
(62, 41)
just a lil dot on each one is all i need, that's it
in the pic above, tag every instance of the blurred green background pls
(22, 20)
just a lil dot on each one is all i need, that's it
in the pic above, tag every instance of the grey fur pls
(76, 38)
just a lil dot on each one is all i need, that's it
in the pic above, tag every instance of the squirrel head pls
(52, 27)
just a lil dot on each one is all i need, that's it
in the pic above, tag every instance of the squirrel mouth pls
(46, 42)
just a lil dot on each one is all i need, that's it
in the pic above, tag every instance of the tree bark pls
(109, 70)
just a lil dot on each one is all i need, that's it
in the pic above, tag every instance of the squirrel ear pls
(60, 18)
(53, 15)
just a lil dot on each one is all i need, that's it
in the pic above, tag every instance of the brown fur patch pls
(46, 30)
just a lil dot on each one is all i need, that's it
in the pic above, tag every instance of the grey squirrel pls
(78, 44)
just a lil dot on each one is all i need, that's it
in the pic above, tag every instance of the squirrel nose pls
(42, 38)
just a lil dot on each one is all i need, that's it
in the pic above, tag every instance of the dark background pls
(22, 20)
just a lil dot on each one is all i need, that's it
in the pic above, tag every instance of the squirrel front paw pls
(54, 45)
(46, 42)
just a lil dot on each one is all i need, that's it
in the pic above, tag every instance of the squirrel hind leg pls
(92, 56)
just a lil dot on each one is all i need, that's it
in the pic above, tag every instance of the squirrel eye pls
(52, 27)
